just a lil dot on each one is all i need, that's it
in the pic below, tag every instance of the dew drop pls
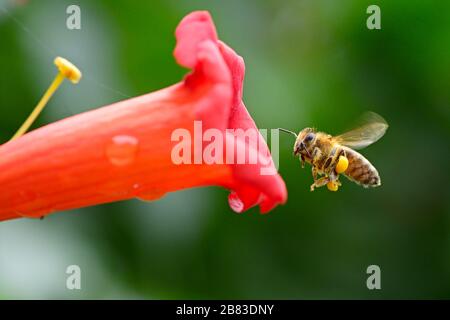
(235, 203)
(136, 186)
(151, 195)
(25, 201)
(24, 196)
(122, 150)
(35, 214)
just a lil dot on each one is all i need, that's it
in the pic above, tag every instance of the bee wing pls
(372, 127)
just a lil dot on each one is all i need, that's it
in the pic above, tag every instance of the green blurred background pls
(309, 63)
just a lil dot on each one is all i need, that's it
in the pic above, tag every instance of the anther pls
(66, 70)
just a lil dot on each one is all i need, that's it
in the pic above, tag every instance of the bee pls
(331, 156)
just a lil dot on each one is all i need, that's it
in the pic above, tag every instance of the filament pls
(40, 106)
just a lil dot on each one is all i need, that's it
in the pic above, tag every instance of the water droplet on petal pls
(151, 195)
(122, 150)
(235, 203)
(25, 201)
(35, 214)
(23, 196)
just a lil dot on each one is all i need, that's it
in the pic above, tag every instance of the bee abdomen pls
(360, 170)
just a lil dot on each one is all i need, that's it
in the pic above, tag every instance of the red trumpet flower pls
(125, 150)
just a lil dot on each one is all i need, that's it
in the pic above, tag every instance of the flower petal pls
(251, 186)
(272, 188)
(194, 29)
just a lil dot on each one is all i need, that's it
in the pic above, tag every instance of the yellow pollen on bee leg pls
(342, 165)
(332, 186)
(66, 70)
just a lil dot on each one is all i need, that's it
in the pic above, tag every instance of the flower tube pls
(126, 150)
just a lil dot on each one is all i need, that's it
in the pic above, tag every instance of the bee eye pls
(309, 137)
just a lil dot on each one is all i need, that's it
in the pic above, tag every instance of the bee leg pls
(334, 177)
(316, 156)
(314, 173)
(320, 182)
(302, 160)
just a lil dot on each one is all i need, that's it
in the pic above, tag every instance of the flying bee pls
(331, 156)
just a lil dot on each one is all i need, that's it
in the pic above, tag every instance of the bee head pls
(304, 139)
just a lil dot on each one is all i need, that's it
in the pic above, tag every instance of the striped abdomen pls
(360, 170)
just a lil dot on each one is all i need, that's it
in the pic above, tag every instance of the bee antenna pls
(288, 131)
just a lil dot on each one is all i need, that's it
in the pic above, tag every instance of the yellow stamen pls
(66, 70)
